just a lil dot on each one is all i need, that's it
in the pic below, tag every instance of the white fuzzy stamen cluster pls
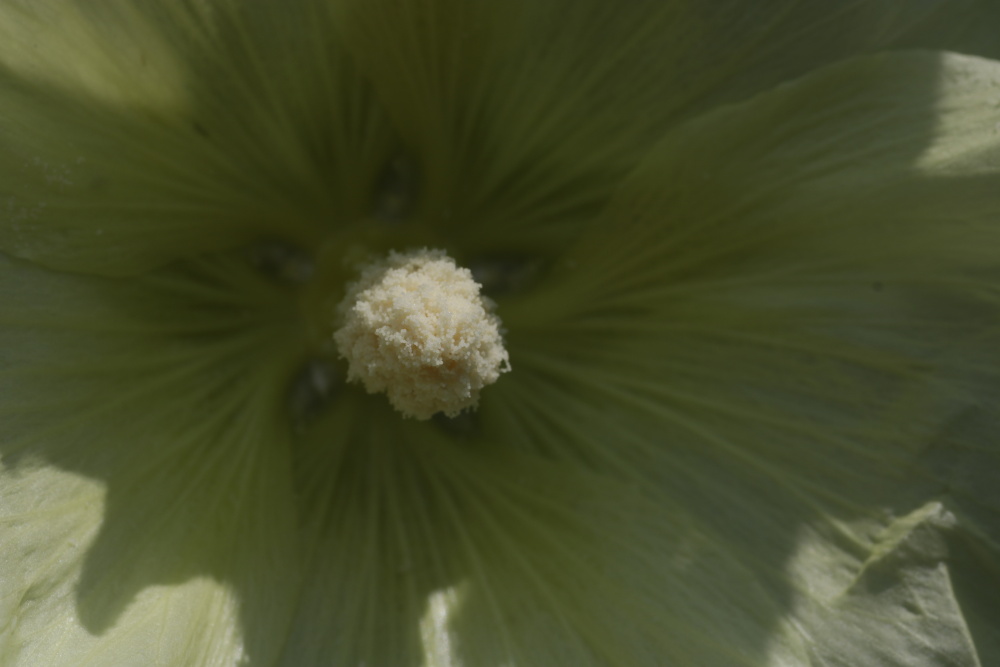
(416, 327)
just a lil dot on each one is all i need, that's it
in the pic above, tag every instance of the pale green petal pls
(523, 115)
(132, 134)
(786, 324)
(433, 548)
(879, 173)
(146, 514)
(378, 545)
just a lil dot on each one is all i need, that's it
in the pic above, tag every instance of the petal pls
(434, 549)
(375, 551)
(136, 134)
(522, 116)
(786, 324)
(881, 171)
(146, 515)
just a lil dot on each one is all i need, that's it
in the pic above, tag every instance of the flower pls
(747, 276)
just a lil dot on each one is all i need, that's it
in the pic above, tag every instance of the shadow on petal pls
(143, 418)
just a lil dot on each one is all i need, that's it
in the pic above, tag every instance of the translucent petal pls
(134, 134)
(786, 323)
(523, 115)
(146, 515)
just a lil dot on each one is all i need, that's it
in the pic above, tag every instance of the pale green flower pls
(752, 329)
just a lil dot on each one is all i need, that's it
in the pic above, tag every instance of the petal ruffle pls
(133, 134)
(146, 515)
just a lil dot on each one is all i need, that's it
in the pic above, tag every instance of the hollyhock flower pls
(686, 315)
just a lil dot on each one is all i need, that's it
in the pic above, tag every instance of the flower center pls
(415, 326)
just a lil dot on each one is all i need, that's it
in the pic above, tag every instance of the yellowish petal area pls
(146, 511)
(783, 323)
(133, 134)
(524, 115)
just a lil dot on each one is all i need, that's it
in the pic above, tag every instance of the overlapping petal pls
(145, 500)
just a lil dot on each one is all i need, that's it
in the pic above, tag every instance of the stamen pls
(415, 327)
